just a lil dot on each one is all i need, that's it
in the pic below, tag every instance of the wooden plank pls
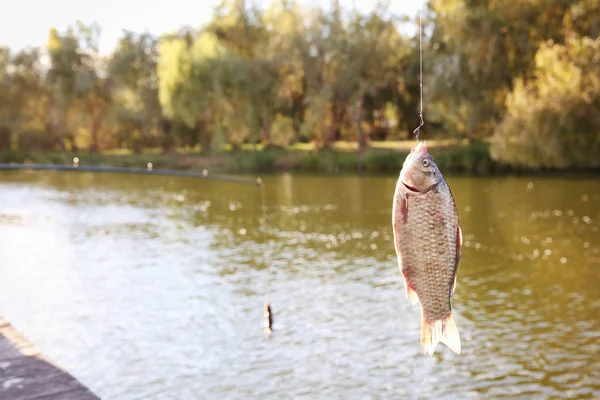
(26, 375)
(79, 393)
(16, 340)
(7, 351)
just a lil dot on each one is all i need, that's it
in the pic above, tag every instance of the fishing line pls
(149, 170)
(262, 220)
(421, 122)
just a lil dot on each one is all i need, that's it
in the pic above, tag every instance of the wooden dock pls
(26, 375)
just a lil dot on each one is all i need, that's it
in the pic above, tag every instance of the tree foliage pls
(523, 75)
(553, 120)
(136, 111)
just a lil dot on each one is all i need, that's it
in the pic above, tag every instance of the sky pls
(26, 23)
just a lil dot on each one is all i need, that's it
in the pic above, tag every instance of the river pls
(149, 287)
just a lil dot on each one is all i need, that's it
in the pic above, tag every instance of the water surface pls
(148, 287)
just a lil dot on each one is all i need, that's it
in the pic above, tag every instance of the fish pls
(428, 240)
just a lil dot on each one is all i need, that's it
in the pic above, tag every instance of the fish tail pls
(441, 330)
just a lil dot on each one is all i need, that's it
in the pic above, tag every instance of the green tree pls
(553, 120)
(187, 70)
(75, 81)
(136, 108)
(286, 45)
(24, 100)
(480, 48)
(376, 73)
(247, 73)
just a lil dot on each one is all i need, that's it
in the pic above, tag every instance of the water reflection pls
(153, 287)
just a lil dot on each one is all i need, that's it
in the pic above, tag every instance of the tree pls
(377, 72)
(75, 81)
(480, 48)
(136, 107)
(24, 100)
(189, 87)
(247, 72)
(553, 120)
(286, 29)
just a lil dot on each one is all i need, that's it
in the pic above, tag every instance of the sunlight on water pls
(153, 287)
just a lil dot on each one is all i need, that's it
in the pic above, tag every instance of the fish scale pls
(427, 265)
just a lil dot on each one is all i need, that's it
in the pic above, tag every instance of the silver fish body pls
(428, 239)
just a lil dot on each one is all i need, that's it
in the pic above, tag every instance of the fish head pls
(419, 172)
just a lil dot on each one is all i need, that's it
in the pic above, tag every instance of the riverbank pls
(380, 158)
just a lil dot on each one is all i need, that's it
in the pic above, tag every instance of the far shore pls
(380, 158)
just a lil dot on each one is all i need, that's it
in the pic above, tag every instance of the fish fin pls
(459, 241)
(400, 208)
(404, 209)
(453, 285)
(441, 330)
(411, 294)
(399, 215)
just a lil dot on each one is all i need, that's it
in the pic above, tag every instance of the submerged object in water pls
(268, 318)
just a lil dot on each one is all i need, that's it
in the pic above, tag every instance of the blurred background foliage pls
(522, 78)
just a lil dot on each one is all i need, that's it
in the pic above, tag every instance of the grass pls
(380, 158)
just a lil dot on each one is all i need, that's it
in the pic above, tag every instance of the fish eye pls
(425, 162)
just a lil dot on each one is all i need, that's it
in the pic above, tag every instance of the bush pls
(8, 155)
(34, 140)
(255, 161)
(384, 161)
(554, 119)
